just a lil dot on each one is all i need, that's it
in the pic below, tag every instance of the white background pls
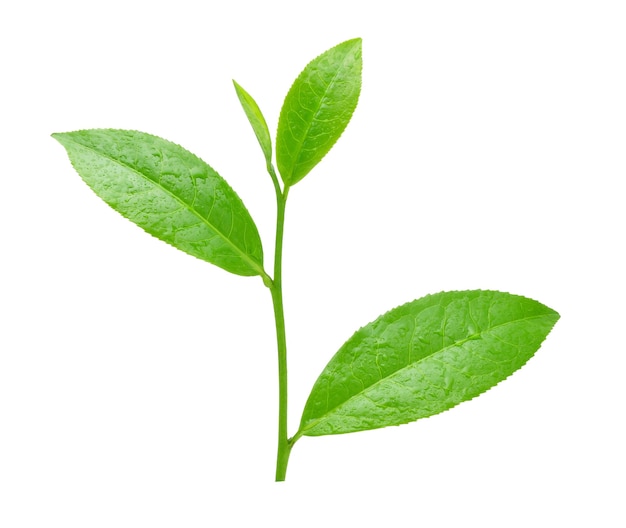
(138, 384)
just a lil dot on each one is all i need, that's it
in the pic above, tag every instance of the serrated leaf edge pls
(254, 265)
(284, 178)
(302, 430)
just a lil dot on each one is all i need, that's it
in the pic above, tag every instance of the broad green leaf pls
(257, 121)
(317, 109)
(424, 357)
(170, 193)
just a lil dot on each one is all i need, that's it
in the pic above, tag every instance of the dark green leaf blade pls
(255, 116)
(424, 357)
(317, 109)
(170, 193)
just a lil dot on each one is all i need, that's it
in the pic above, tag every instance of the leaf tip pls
(356, 42)
(61, 137)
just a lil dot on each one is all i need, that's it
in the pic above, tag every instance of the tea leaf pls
(170, 193)
(317, 109)
(425, 357)
(257, 121)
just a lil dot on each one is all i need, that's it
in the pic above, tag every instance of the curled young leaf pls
(170, 193)
(317, 109)
(425, 357)
(255, 116)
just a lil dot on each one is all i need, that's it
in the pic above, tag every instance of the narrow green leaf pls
(317, 109)
(170, 193)
(257, 121)
(425, 357)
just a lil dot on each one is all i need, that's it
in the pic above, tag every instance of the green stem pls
(276, 288)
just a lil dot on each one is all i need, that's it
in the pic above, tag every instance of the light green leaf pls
(170, 193)
(317, 109)
(424, 357)
(257, 121)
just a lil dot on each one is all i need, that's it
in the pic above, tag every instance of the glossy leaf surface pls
(317, 109)
(259, 125)
(170, 193)
(425, 357)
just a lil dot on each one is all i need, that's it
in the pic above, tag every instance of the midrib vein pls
(236, 249)
(315, 114)
(369, 388)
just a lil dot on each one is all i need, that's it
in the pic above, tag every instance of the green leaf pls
(257, 121)
(317, 109)
(425, 357)
(170, 193)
